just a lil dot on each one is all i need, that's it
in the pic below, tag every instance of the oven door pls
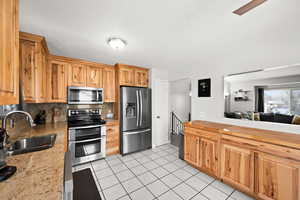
(85, 95)
(87, 143)
(87, 150)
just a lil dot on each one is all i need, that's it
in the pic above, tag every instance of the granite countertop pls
(39, 174)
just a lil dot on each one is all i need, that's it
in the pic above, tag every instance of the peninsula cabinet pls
(132, 75)
(9, 53)
(209, 156)
(237, 167)
(201, 150)
(191, 149)
(263, 164)
(57, 80)
(33, 65)
(278, 178)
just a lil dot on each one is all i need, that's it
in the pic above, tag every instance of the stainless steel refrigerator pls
(136, 133)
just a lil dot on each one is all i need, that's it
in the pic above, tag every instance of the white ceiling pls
(181, 36)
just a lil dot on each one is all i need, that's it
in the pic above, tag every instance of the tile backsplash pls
(59, 109)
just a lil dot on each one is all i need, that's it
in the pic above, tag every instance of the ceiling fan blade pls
(249, 6)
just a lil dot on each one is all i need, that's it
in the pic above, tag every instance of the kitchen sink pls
(32, 144)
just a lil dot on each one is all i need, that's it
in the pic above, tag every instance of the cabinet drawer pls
(282, 151)
(203, 133)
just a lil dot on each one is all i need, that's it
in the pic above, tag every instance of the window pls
(283, 101)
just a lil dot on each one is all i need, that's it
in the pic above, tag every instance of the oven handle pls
(84, 127)
(83, 141)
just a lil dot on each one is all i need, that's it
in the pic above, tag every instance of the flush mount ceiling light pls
(116, 43)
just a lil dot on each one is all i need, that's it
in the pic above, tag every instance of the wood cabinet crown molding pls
(35, 38)
(264, 167)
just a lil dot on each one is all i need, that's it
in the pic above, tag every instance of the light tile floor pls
(156, 174)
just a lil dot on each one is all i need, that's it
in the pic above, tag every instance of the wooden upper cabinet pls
(191, 149)
(141, 77)
(132, 75)
(126, 75)
(237, 167)
(42, 75)
(278, 178)
(28, 69)
(209, 156)
(9, 53)
(94, 76)
(33, 65)
(57, 81)
(77, 75)
(109, 85)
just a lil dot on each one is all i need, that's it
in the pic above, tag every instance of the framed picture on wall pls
(204, 88)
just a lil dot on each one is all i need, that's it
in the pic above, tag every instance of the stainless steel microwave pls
(85, 95)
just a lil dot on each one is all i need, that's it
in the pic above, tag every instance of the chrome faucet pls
(4, 121)
(29, 118)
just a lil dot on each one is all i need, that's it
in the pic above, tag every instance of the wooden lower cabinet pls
(112, 139)
(237, 167)
(208, 156)
(278, 178)
(191, 149)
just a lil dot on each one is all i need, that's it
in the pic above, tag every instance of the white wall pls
(212, 108)
(180, 101)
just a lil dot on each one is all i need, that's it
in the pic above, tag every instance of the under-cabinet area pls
(261, 163)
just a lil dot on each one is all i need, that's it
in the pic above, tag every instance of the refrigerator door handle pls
(137, 108)
(135, 132)
(141, 114)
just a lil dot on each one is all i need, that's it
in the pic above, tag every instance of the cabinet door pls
(237, 167)
(58, 81)
(141, 77)
(77, 75)
(209, 156)
(278, 178)
(94, 76)
(126, 76)
(112, 139)
(28, 69)
(9, 53)
(41, 76)
(109, 86)
(191, 149)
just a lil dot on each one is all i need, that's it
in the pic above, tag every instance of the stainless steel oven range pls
(86, 135)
